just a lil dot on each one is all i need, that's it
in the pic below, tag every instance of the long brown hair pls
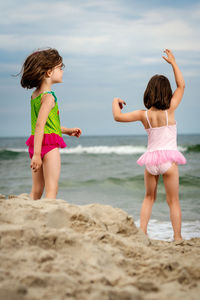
(36, 65)
(158, 93)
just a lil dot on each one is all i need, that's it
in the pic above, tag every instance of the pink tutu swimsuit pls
(52, 131)
(162, 148)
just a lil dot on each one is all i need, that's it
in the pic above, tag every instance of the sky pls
(111, 48)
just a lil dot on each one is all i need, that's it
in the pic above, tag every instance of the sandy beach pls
(50, 249)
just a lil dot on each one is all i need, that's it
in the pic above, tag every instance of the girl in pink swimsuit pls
(41, 70)
(162, 156)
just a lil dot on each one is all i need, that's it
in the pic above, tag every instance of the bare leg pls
(151, 182)
(171, 182)
(51, 171)
(37, 184)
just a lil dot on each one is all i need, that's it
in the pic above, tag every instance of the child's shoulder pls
(142, 113)
(48, 97)
(143, 117)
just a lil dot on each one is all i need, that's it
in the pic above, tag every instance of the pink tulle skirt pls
(161, 156)
(50, 141)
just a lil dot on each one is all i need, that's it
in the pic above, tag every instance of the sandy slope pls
(50, 249)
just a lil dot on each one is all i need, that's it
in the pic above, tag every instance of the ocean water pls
(103, 169)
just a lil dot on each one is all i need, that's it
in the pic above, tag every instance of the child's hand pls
(170, 57)
(75, 132)
(36, 162)
(120, 102)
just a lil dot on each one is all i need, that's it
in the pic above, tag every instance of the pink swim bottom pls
(44, 150)
(159, 169)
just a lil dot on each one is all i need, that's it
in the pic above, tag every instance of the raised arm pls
(180, 83)
(118, 116)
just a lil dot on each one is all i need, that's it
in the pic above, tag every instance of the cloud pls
(100, 28)
(110, 48)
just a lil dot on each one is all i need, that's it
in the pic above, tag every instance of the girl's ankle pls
(179, 238)
(143, 230)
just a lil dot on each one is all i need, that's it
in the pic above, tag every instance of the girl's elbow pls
(117, 118)
(182, 86)
(39, 126)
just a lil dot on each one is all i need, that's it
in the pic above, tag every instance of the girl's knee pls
(172, 200)
(150, 197)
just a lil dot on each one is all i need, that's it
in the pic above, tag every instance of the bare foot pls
(179, 241)
(143, 237)
(142, 230)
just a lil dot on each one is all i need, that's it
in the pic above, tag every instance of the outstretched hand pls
(75, 132)
(170, 57)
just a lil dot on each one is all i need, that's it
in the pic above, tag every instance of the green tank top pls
(53, 122)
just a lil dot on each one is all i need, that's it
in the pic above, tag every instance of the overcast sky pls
(110, 48)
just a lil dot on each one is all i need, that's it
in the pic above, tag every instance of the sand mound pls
(50, 249)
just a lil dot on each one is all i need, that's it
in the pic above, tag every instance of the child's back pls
(157, 118)
(162, 155)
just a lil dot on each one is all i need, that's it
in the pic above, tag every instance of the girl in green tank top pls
(41, 70)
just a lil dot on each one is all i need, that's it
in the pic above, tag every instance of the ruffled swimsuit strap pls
(52, 93)
(46, 92)
(148, 119)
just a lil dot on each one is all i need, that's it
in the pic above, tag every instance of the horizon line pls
(96, 135)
